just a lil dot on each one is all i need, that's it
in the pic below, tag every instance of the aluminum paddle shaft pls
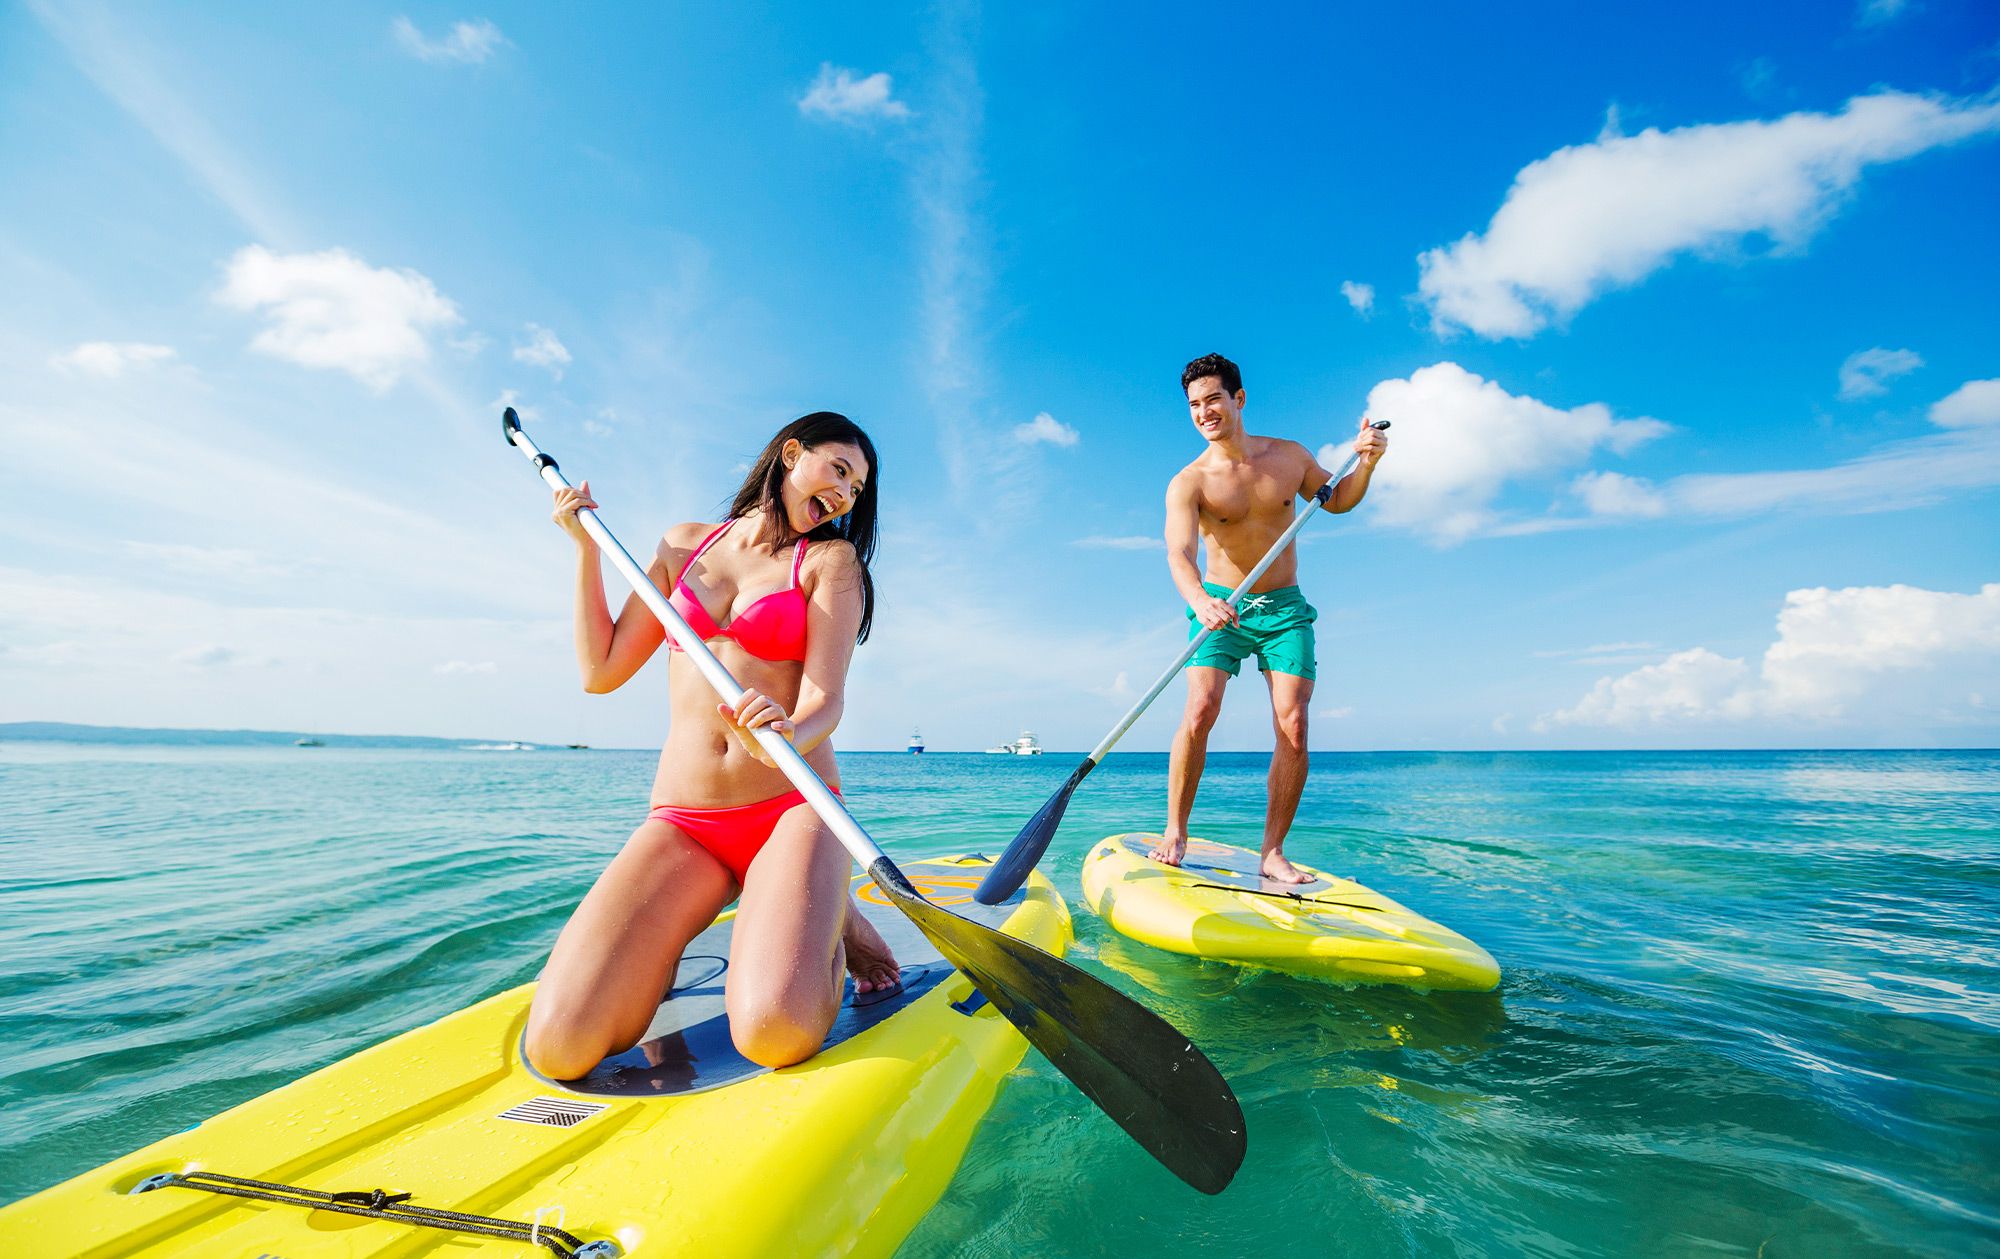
(1008, 873)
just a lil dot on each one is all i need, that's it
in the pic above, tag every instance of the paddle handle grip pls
(863, 849)
(1320, 496)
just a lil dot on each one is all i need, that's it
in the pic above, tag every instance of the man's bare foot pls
(1279, 870)
(868, 957)
(1170, 850)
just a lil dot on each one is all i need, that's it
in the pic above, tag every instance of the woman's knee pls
(772, 1034)
(563, 1050)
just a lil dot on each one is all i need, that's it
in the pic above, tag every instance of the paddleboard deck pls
(678, 1146)
(1218, 905)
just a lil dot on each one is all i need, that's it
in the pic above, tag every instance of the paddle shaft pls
(848, 831)
(1320, 497)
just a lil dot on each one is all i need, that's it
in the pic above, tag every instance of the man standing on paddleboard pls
(1235, 500)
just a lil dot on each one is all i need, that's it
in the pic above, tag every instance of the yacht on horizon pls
(1023, 746)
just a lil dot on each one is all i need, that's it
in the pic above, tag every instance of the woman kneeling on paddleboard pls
(780, 591)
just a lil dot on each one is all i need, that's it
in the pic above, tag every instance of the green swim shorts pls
(1277, 626)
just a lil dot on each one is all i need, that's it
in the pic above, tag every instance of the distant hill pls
(69, 732)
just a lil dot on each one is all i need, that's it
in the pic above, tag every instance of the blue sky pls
(1685, 319)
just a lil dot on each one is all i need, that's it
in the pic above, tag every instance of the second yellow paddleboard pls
(1218, 905)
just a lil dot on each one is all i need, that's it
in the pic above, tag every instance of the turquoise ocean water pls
(1751, 1002)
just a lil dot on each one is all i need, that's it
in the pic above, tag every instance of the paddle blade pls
(1011, 870)
(1148, 1077)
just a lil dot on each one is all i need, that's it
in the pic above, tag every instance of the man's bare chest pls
(1237, 498)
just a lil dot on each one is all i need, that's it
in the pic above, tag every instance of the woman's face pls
(821, 482)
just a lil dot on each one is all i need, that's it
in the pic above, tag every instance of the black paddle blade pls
(1011, 871)
(1148, 1077)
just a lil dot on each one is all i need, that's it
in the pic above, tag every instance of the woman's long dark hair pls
(761, 490)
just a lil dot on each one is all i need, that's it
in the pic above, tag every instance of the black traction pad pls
(686, 1048)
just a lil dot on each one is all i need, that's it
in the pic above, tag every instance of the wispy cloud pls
(1045, 429)
(1902, 474)
(467, 43)
(211, 563)
(100, 46)
(1879, 12)
(1123, 542)
(112, 358)
(1758, 76)
(332, 310)
(458, 668)
(1605, 215)
(839, 96)
(542, 349)
(1597, 649)
(982, 459)
(1867, 373)
(1604, 655)
(1360, 296)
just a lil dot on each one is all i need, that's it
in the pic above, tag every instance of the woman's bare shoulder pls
(832, 558)
(676, 545)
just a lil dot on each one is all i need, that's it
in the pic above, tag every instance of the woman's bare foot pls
(1279, 870)
(1170, 850)
(868, 957)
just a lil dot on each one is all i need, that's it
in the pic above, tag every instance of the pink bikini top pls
(773, 628)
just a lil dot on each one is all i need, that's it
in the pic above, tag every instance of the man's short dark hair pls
(1217, 366)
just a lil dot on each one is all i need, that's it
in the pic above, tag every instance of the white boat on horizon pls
(1023, 746)
(916, 741)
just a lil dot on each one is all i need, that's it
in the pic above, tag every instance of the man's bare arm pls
(1372, 444)
(1184, 551)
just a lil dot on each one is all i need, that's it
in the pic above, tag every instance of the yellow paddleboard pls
(677, 1147)
(1218, 905)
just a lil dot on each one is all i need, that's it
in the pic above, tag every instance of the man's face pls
(1215, 412)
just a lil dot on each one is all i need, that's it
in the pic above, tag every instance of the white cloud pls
(1974, 403)
(468, 42)
(1333, 714)
(838, 95)
(1359, 296)
(1128, 542)
(332, 310)
(1686, 684)
(1614, 494)
(1866, 372)
(543, 350)
(452, 668)
(1836, 651)
(1595, 217)
(1458, 439)
(1045, 428)
(111, 358)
